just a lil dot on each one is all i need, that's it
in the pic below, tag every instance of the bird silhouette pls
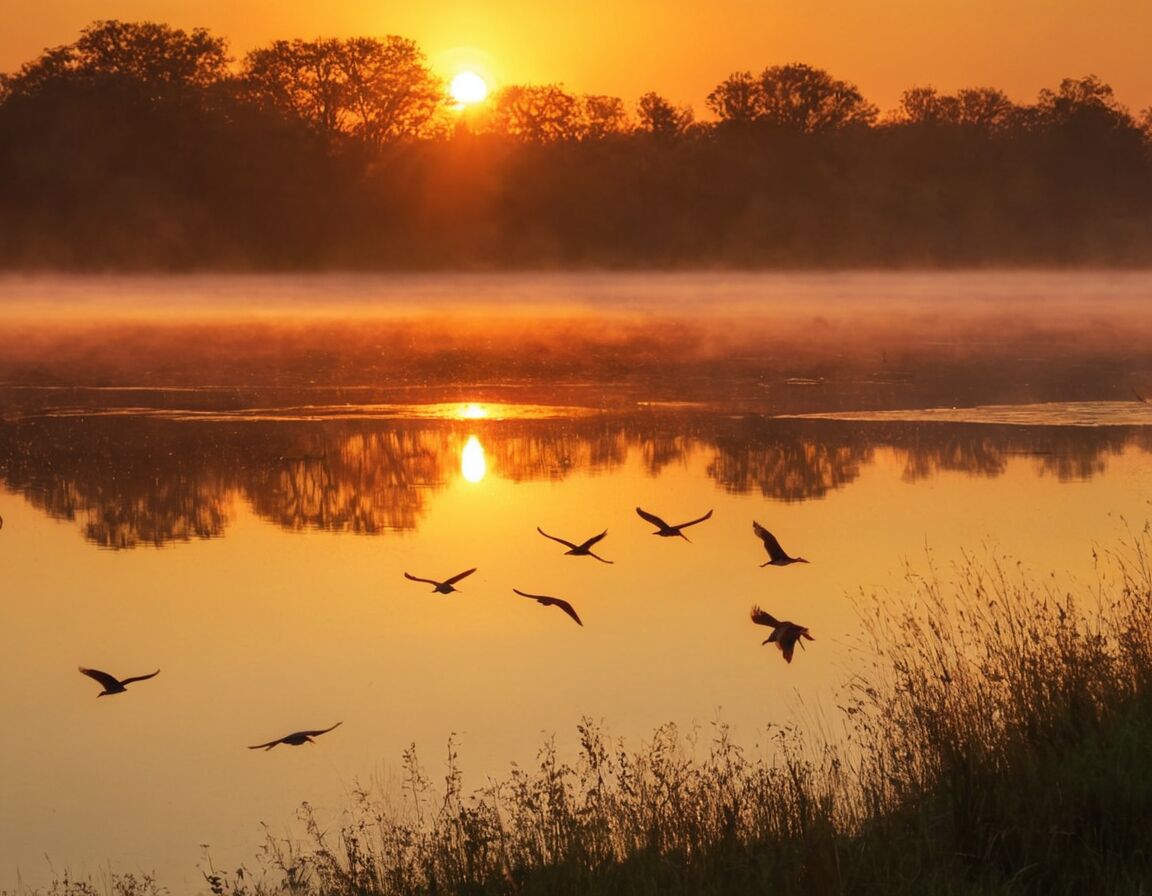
(445, 587)
(547, 601)
(295, 739)
(785, 635)
(776, 555)
(114, 685)
(666, 531)
(579, 550)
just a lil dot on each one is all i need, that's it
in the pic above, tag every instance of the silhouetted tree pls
(1083, 102)
(375, 90)
(135, 147)
(299, 78)
(535, 113)
(925, 105)
(793, 97)
(738, 98)
(984, 108)
(141, 54)
(604, 116)
(1144, 122)
(801, 98)
(658, 116)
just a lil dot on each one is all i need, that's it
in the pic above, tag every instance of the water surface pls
(248, 533)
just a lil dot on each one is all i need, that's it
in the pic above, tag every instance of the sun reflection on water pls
(472, 412)
(473, 464)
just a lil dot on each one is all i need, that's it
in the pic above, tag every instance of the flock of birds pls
(785, 634)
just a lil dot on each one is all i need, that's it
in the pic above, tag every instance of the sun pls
(468, 88)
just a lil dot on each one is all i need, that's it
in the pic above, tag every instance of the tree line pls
(144, 146)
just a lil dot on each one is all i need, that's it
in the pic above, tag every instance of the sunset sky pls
(680, 48)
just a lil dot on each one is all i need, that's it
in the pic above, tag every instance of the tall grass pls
(1010, 742)
(999, 740)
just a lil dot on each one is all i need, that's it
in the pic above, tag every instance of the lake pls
(227, 478)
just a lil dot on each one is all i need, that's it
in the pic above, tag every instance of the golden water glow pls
(468, 88)
(1042, 497)
(473, 464)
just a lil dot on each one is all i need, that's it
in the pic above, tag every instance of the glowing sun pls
(468, 88)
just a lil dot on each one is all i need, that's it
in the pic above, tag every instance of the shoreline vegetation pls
(996, 742)
(141, 147)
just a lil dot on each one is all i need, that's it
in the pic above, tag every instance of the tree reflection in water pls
(130, 481)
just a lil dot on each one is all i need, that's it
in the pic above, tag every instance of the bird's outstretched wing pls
(652, 518)
(104, 678)
(321, 731)
(770, 542)
(761, 617)
(548, 601)
(706, 516)
(295, 738)
(591, 541)
(569, 609)
(409, 575)
(127, 681)
(554, 538)
(461, 575)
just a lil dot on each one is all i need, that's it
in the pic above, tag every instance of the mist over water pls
(909, 339)
(227, 477)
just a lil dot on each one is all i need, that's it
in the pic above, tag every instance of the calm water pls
(247, 534)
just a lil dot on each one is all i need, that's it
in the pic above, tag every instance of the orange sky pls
(681, 48)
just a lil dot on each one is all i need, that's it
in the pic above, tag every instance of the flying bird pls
(114, 685)
(785, 635)
(547, 601)
(579, 550)
(776, 555)
(666, 531)
(295, 739)
(445, 587)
